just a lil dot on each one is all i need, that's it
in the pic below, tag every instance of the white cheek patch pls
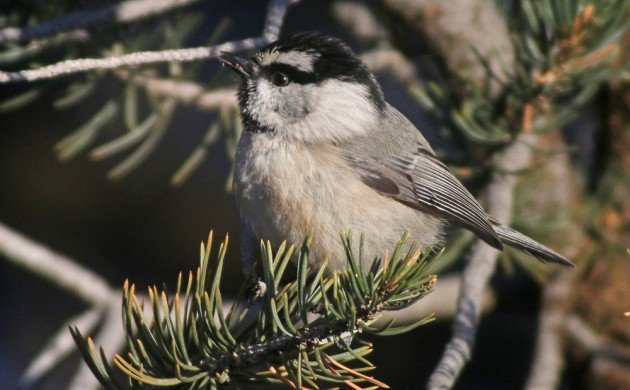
(342, 110)
(337, 111)
(301, 60)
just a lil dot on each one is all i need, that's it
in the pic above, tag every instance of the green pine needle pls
(304, 333)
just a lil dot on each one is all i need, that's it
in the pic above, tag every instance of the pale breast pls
(285, 191)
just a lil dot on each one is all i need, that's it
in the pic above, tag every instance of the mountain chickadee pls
(323, 151)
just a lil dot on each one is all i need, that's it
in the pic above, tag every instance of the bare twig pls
(276, 12)
(132, 59)
(125, 12)
(68, 274)
(480, 268)
(588, 339)
(59, 346)
(545, 199)
(548, 357)
(59, 269)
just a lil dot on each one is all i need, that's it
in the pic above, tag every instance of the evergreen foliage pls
(304, 333)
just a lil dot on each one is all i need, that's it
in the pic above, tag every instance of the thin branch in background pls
(595, 344)
(274, 19)
(480, 268)
(58, 348)
(186, 92)
(559, 202)
(125, 12)
(548, 356)
(70, 275)
(276, 12)
(54, 267)
(132, 59)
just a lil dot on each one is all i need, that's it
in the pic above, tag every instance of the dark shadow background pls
(143, 229)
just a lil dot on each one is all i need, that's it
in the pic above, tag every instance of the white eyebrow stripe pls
(301, 60)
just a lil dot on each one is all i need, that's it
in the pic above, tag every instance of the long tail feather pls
(522, 242)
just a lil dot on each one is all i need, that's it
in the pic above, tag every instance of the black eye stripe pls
(295, 75)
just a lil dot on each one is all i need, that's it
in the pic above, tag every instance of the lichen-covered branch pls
(132, 59)
(276, 12)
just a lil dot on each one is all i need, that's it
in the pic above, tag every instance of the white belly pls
(286, 191)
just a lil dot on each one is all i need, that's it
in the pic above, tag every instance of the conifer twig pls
(189, 339)
(480, 268)
(442, 302)
(111, 337)
(275, 16)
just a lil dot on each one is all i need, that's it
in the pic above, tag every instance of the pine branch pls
(442, 302)
(300, 332)
(125, 12)
(275, 16)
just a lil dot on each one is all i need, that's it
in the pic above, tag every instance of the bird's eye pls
(279, 79)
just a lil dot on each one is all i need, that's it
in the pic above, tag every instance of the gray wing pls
(416, 178)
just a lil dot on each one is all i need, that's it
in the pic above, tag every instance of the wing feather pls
(419, 180)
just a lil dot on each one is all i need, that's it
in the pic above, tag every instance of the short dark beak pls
(242, 65)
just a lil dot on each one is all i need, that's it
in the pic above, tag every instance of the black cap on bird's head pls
(306, 57)
(308, 86)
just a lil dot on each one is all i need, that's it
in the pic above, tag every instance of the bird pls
(323, 153)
